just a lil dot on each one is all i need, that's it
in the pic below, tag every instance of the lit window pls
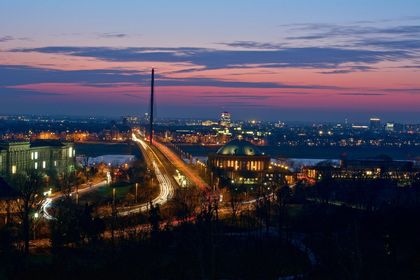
(70, 152)
(36, 155)
(36, 165)
(13, 169)
(55, 163)
(44, 164)
(32, 155)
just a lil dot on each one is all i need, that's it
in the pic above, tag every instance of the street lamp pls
(77, 195)
(36, 216)
(137, 186)
(113, 197)
(113, 215)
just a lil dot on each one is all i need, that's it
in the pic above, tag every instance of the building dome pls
(239, 148)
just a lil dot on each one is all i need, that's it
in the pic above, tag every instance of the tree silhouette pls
(154, 218)
(29, 188)
(186, 201)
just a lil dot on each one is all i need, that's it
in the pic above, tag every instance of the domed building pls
(240, 161)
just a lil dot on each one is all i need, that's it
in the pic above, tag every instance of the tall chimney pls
(152, 93)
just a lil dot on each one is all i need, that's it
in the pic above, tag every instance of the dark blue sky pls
(268, 59)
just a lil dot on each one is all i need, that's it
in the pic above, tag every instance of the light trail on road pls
(182, 166)
(44, 209)
(47, 204)
(166, 189)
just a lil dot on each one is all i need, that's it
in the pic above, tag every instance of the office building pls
(45, 156)
(389, 126)
(225, 119)
(375, 124)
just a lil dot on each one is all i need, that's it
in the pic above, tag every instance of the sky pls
(301, 60)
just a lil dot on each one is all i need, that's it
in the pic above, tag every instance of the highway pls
(154, 162)
(162, 161)
(179, 164)
(162, 172)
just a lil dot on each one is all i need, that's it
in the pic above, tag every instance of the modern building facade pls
(45, 156)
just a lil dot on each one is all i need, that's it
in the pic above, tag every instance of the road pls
(179, 164)
(162, 161)
(162, 171)
(48, 202)
(157, 163)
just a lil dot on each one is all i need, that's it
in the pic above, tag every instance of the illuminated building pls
(225, 119)
(389, 126)
(279, 124)
(354, 126)
(375, 123)
(208, 123)
(45, 135)
(239, 161)
(131, 120)
(45, 156)
(376, 168)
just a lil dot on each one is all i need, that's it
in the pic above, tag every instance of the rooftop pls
(240, 148)
(47, 143)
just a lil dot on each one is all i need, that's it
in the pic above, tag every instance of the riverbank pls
(403, 153)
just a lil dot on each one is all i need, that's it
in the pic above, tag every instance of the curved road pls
(166, 185)
(160, 164)
(47, 204)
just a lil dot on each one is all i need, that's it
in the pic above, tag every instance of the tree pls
(29, 188)
(324, 188)
(8, 237)
(234, 195)
(65, 228)
(66, 182)
(208, 209)
(416, 186)
(283, 197)
(186, 201)
(137, 171)
(299, 193)
(154, 218)
(85, 166)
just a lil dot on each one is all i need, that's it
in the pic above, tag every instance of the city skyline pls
(268, 60)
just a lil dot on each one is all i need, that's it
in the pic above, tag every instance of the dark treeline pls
(336, 229)
(196, 244)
